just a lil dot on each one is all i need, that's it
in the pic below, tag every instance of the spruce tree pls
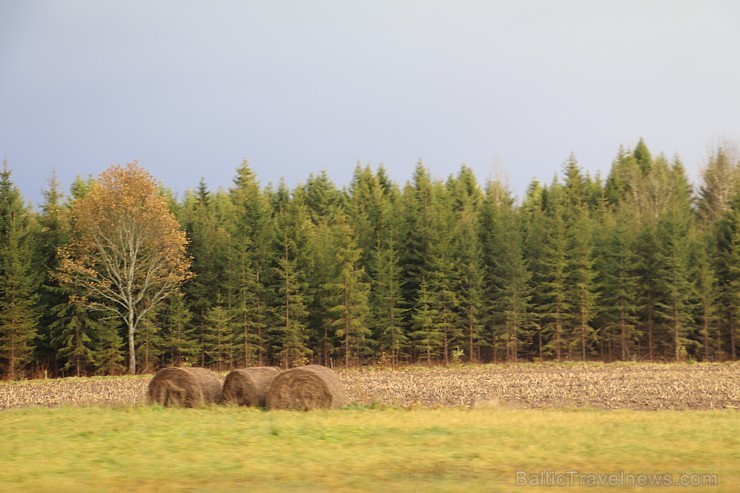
(728, 241)
(556, 307)
(149, 344)
(466, 199)
(108, 344)
(620, 292)
(443, 272)
(179, 340)
(289, 331)
(72, 332)
(720, 183)
(52, 231)
(219, 337)
(426, 336)
(208, 246)
(535, 230)
(321, 274)
(372, 204)
(349, 294)
(643, 157)
(508, 277)
(18, 315)
(251, 238)
(416, 233)
(582, 284)
(673, 286)
(388, 308)
(703, 273)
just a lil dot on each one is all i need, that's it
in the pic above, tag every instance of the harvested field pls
(615, 386)
(98, 391)
(629, 386)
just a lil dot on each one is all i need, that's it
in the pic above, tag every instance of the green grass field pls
(227, 449)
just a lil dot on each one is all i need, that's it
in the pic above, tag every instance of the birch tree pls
(127, 253)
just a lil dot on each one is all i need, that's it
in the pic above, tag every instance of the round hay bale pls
(186, 387)
(249, 386)
(306, 387)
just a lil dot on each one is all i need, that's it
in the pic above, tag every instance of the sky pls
(190, 89)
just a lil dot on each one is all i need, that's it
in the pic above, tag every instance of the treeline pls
(637, 266)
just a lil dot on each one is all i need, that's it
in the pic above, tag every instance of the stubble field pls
(521, 386)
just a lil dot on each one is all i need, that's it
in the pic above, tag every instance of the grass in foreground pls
(227, 449)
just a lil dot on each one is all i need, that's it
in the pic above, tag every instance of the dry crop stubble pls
(608, 386)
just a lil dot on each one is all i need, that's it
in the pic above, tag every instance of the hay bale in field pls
(306, 387)
(187, 387)
(249, 386)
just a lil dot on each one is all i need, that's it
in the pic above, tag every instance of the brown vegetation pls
(613, 386)
(249, 386)
(306, 387)
(188, 387)
(621, 386)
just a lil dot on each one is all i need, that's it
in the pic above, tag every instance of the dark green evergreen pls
(18, 313)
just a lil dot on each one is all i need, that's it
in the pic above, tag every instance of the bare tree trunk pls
(733, 339)
(11, 363)
(650, 328)
(346, 326)
(676, 332)
(131, 345)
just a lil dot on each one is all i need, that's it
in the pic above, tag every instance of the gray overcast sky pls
(191, 88)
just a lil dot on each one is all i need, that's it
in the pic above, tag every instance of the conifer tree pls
(52, 232)
(17, 299)
(209, 249)
(508, 287)
(289, 332)
(251, 238)
(219, 336)
(72, 333)
(443, 271)
(729, 277)
(466, 200)
(179, 340)
(321, 274)
(721, 183)
(349, 294)
(623, 183)
(108, 344)
(673, 287)
(582, 285)
(388, 305)
(321, 197)
(535, 230)
(149, 344)
(426, 335)
(673, 304)
(703, 272)
(556, 309)
(620, 292)
(416, 233)
(372, 204)
(643, 157)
